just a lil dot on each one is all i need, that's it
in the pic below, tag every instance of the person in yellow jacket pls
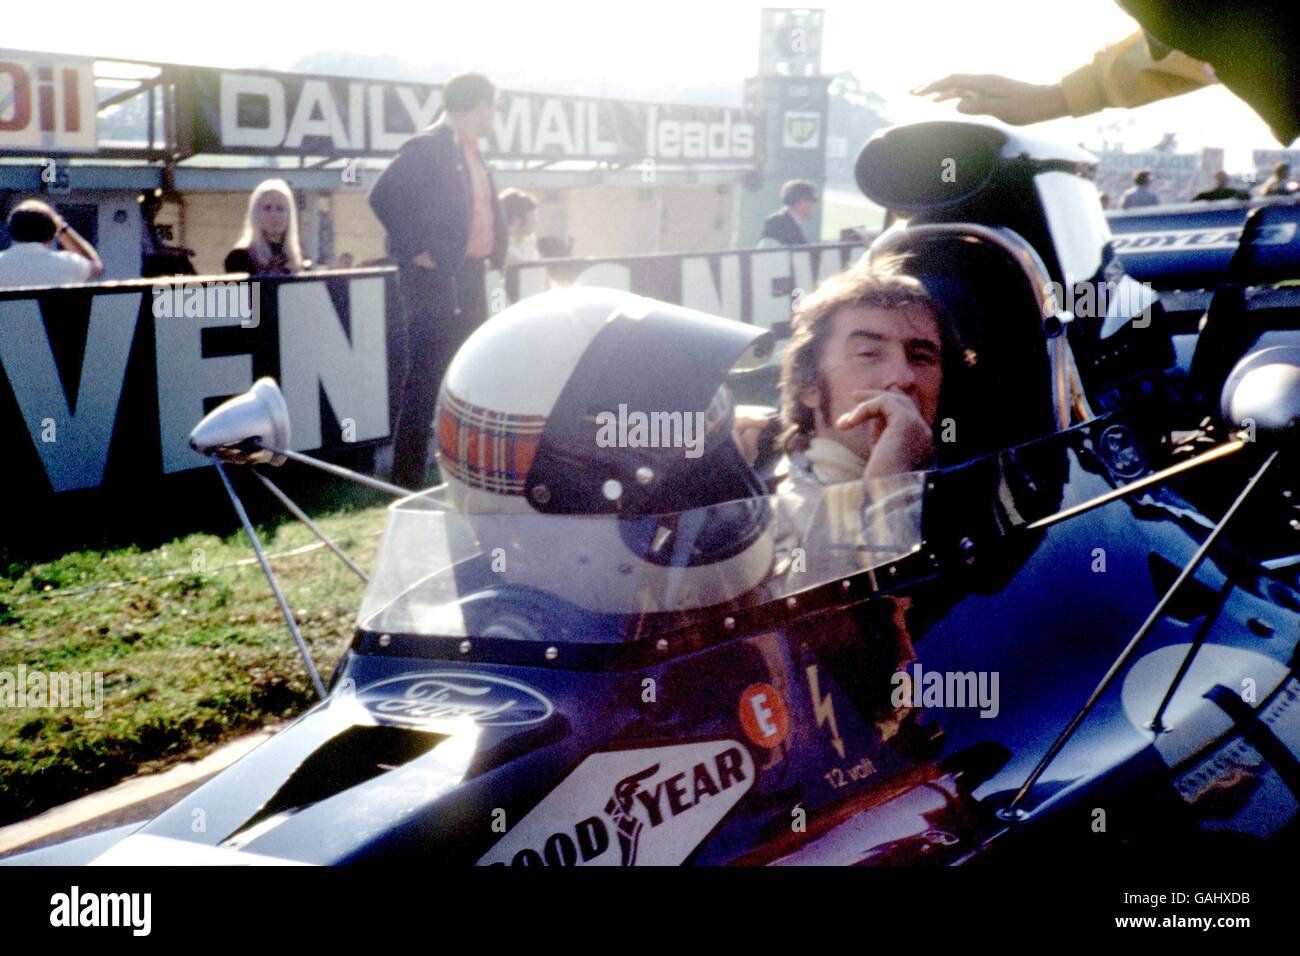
(1122, 74)
(1183, 45)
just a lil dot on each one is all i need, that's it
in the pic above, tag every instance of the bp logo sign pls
(802, 130)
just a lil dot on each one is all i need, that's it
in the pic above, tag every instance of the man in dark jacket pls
(1221, 190)
(798, 200)
(437, 202)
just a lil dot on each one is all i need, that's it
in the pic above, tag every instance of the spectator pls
(1104, 199)
(1140, 193)
(798, 200)
(437, 202)
(555, 247)
(344, 261)
(157, 257)
(1279, 184)
(1221, 190)
(34, 228)
(269, 243)
(520, 210)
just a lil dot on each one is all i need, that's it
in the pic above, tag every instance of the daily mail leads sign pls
(280, 113)
(47, 105)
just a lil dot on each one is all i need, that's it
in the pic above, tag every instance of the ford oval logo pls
(487, 700)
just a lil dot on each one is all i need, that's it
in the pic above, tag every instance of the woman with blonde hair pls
(269, 243)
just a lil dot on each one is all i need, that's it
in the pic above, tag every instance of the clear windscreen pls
(607, 579)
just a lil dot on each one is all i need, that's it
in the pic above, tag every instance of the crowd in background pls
(1143, 192)
(45, 250)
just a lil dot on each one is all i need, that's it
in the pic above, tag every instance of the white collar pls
(832, 462)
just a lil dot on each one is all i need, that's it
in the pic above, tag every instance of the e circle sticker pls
(763, 715)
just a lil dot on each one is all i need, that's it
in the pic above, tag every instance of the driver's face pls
(883, 349)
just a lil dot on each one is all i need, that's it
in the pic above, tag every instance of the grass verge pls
(189, 641)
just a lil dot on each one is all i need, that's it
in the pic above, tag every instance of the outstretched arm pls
(1122, 74)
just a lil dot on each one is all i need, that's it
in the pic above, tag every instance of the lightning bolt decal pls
(824, 710)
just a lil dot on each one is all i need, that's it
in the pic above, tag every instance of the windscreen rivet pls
(791, 603)
(385, 640)
(552, 653)
(729, 623)
(645, 475)
(464, 647)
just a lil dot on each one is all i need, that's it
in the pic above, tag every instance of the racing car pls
(1101, 598)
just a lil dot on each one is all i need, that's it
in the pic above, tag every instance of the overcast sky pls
(619, 46)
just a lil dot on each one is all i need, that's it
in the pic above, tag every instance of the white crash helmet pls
(528, 424)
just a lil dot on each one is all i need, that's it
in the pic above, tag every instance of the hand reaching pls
(1009, 100)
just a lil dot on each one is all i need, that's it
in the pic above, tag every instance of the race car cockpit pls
(595, 494)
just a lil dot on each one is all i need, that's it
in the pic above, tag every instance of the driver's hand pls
(747, 430)
(901, 439)
(1011, 101)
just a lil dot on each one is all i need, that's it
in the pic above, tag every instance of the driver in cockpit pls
(860, 389)
(581, 500)
(538, 416)
(860, 386)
